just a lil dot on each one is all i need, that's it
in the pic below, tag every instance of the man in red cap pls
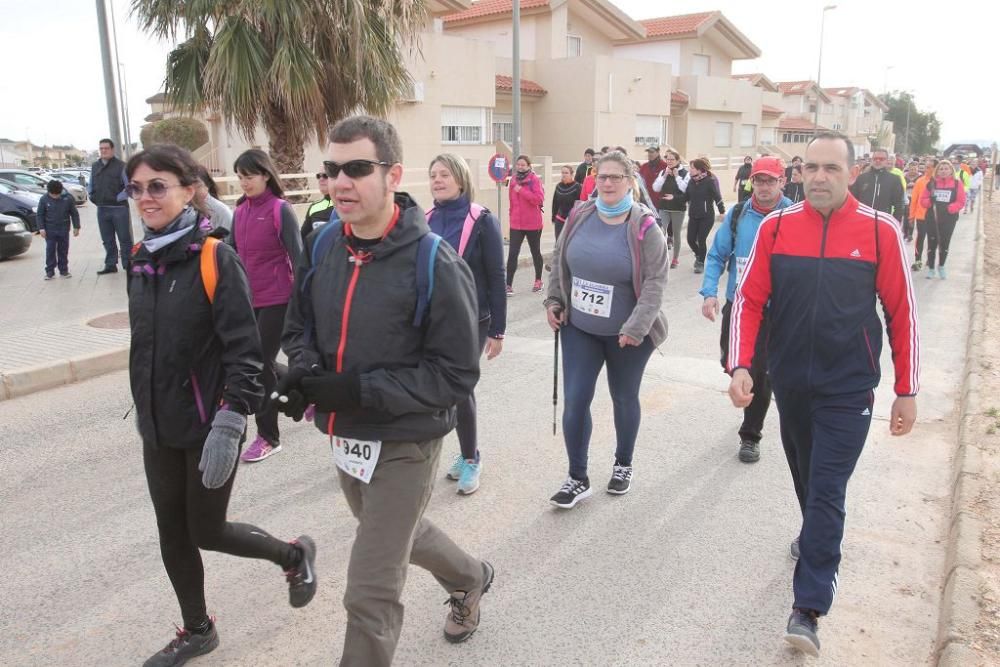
(730, 250)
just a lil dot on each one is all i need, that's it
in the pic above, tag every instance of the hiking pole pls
(555, 383)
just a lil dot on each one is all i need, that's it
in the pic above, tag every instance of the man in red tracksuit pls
(818, 265)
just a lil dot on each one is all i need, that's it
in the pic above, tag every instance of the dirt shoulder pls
(971, 614)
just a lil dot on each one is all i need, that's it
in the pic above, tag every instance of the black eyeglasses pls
(353, 168)
(320, 176)
(156, 190)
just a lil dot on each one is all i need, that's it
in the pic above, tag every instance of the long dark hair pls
(256, 161)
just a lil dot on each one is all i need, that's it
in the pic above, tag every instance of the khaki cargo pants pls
(392, 533)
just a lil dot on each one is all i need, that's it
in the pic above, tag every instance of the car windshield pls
(6, 189)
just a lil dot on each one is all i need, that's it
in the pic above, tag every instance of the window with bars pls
(650, 130)
(503, 128)
(723, 135)
(465, 125)
(574, 46)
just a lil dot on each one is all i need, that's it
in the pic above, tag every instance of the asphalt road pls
(691, 568)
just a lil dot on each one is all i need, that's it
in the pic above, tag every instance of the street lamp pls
(819, 67)
(885, 79)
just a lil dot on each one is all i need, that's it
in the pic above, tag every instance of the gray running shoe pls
(793, 549)
(749, 451)
(802, 631)
(183, 647)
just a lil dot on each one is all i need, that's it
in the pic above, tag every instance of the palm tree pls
(291, 66)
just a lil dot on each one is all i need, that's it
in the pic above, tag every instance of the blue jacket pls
(485, 256)
(721, 256)
(55, 215)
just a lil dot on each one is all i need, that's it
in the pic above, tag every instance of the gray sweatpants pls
(392, 533)
(675, 220)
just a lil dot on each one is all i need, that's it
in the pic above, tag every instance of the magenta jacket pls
(266, 237)
(526, 204)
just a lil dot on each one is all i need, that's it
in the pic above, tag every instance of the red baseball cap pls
(772, 166)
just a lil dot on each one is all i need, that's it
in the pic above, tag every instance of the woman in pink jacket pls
(526, 197)
(944, 198)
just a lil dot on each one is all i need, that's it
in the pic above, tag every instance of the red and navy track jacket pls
(818, 279)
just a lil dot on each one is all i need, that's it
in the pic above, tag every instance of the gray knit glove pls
(222, 447)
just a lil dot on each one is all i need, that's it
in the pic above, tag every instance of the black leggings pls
(270, 322)
(190, 517)
(939, 238)
(534, 244)
(698, 229)
(466, 409)
(918, 248)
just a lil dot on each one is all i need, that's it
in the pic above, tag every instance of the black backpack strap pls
(734, 221)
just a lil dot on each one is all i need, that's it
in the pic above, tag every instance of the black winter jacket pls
(411, 378)
(189, 356)
(702, 195)
(882, 190)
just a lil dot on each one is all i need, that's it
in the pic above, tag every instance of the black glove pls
(331, 392)
(722, 208)
(287, 394)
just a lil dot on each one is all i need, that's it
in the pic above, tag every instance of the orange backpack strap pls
(210, 266)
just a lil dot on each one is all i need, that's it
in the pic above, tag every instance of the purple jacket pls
(268, 250)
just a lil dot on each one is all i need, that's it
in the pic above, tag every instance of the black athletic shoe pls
(802, 631)
(108, 269)
(749, 451)
(302, 578)
(183, 647)
(699, 267)
(621, 480)
(572, 492)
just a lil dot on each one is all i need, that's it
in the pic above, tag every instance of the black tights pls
(698, 229)
(190, 517)
(534, 244)
(270, 322)
(938, 239)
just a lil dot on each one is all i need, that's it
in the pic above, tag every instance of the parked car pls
(15, 239)
(28, 181)
(21, 204)
(68, 178)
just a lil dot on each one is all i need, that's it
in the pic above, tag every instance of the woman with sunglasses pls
(318, 213)
(526, 197)
(194, 365)
(267, 238)
(479, 242)
(609, 271)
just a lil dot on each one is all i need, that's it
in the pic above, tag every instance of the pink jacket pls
(955, 207)
(526, 203)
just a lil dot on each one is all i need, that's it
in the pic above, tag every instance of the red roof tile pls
(679, 97)
(671, 26)
(798, 124)
(795, 87)
(528, 87)
(774, 111)
(492, 8)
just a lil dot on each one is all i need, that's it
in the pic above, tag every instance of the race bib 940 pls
(356, 457)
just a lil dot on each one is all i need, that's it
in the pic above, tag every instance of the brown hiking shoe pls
(463, 616)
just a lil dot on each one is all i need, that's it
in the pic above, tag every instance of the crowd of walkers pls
(384, 310)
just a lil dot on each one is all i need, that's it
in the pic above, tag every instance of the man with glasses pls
(384, 385)
(107, 191)
(319, 212)
(880, 188)
(730, 251)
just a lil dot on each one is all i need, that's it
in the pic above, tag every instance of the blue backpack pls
(426, 254)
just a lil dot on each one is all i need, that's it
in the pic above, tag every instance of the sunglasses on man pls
(353, 169)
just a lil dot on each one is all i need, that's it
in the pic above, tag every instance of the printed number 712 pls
(592, 298)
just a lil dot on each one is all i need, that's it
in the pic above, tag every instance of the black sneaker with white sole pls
(183, 647)
(802, 631)
(749, 451)
(621, 480)
(572, 492)
(302, 578)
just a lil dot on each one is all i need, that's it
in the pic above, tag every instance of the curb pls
(26, 381)
(962, 585)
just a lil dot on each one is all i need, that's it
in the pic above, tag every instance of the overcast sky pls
(53, 90)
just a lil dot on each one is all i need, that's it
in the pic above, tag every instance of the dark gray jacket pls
(55, 214)
(107, 183)
(411, 378)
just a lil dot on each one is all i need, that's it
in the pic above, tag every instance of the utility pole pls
(110, 81)
(819, 67)
(516, 35)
